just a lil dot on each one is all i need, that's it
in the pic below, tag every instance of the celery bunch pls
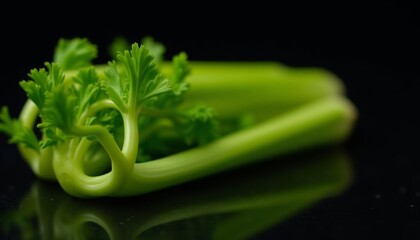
(140, 124)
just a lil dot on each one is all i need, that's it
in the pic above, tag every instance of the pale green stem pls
(76, 182)
(91, 111)
(131, 136)
(40, 162)
(96, 107)
(324, 121)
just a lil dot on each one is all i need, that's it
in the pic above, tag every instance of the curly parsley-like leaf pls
(120, 44)
(52, 138)
(88, 90)
(143, 77)
(202, 126)
(181, 70)
(75, 53)
(17, 132)
(42, 81)
(59, 110)
(114, 86)
(157, 49)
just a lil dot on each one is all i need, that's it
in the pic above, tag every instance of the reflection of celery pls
(19, 218)
(237, 205)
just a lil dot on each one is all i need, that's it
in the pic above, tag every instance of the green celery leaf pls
(111, 120)
(52, 137)
(17, 132)
(179, 86)
(120, 44)
(181, 70)
(202, 127)
(157, 49)
(88, 90)
(74, 53)
(115, 86)
(59, 110)
(55, 75)
(42, 81)
(155, 87)
(143, 77)
(34, 92)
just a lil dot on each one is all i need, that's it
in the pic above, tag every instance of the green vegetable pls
(134, 126)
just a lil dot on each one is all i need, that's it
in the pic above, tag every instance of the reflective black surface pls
(241, 204)
(372, 48)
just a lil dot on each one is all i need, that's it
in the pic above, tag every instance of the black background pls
(373, 48)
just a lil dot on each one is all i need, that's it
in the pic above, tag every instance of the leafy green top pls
(132, 93)
(74, 53)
